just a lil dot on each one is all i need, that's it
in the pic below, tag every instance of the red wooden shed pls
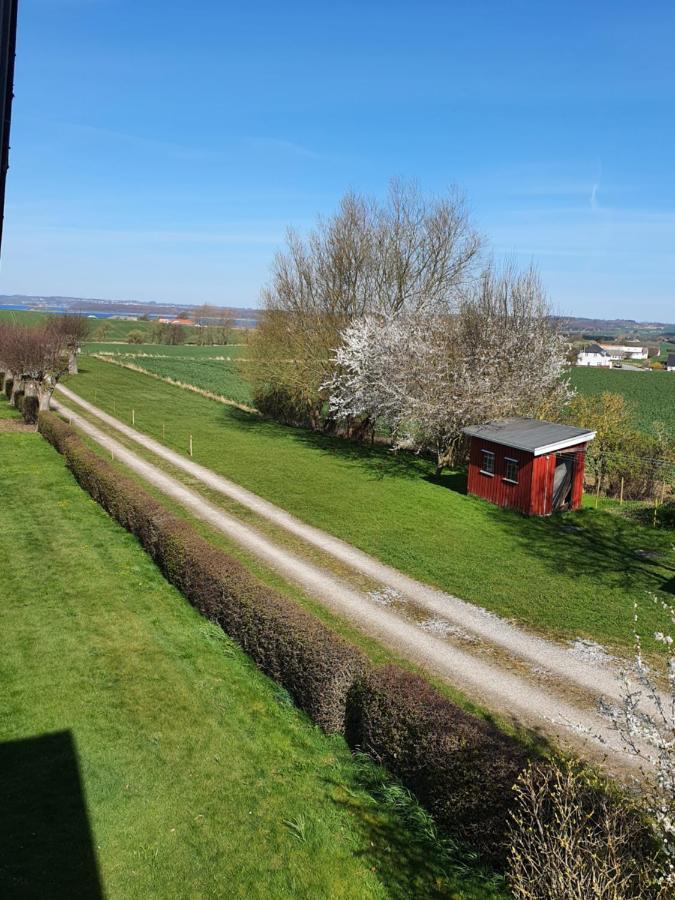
(527, 464)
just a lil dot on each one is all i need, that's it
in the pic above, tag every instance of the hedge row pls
(461, 768)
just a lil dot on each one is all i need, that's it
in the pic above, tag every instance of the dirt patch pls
(12, 426)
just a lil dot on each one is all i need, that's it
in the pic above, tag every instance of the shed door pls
(562, 481)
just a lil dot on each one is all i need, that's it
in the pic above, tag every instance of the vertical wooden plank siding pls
(533, 494)
(495, 488)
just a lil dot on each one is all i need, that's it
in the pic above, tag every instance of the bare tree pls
(409, 254)
(74, 331)
(37, 357)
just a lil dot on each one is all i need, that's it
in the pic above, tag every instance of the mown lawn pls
(567, 583)
(650, 394)
(147, 757)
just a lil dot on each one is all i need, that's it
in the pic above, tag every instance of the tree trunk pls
(17, 388)
(72, 362)
(44, 396)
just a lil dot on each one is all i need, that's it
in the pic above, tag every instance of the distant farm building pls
(670, 363)
(594, 355)
(526, 464)
(625, 351)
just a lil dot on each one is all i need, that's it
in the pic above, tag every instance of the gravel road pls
(512, 690)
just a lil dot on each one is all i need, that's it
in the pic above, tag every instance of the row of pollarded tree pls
(34, 358)
(390, 316)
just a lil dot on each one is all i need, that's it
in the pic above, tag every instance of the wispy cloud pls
(594, 196)
(183, 152)
(282, 147)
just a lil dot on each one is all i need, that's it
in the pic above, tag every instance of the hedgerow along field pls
(563, 583)
(199, 777)
(649, 393)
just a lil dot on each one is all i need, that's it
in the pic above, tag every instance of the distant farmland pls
(223, 377)
(650, 394)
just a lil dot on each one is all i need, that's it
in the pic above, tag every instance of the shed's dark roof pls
(595, 348)
(531, 435)
(670, 362)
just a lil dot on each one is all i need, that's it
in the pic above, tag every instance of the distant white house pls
(625, 351)
(594, 355)
(670, 363)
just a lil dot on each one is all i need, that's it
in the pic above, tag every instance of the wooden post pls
(656, 506)
(133, 416)
(597, 493)
(163, 431)
(190, 445)
(621, 494)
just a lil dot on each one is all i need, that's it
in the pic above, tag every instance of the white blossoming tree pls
(425, 374)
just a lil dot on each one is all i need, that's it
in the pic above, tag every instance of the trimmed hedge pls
(314, 664)
(30, 409)
(458, 766)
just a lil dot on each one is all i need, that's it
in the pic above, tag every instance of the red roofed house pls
(526, 464)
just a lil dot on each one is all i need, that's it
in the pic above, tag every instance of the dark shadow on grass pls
(378, 460)
(594, 544)
(402, 844)
(46, 847)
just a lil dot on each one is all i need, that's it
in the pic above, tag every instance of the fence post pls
(597, 492)
(133, 416)
(190, 445)
(163, 431)
(621, 495)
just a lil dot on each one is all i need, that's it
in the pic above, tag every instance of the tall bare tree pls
(408, 254)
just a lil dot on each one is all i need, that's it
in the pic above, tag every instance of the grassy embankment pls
(650, 394)
(177, 769)
(564, 583)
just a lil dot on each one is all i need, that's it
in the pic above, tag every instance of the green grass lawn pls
(565, 583)
(650, 394)
(7, 411)
(152, 750)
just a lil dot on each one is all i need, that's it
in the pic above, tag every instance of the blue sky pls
(160, 149)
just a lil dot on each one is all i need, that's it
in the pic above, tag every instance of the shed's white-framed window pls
(487, 462)
(511, 470)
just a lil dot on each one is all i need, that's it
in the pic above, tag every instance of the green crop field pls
(143, 755)
(650, 394)
(217, 376)
(180, 351)
(664, 350)
(560, 582)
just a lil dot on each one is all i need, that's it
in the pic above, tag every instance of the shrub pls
(570, 840)
(315, 665)
(8, 387)
(459, 767)
(136, 336)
